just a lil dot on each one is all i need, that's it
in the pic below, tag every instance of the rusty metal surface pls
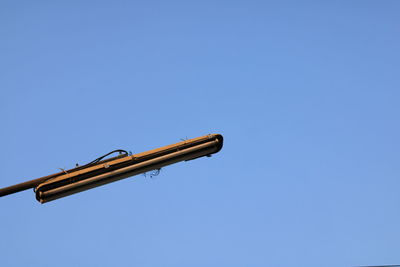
(72, 181)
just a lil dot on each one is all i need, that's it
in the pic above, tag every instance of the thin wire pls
(102, 157)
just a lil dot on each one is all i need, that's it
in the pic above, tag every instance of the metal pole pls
(24, 186)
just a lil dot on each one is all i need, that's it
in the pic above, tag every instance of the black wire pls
(102, 157)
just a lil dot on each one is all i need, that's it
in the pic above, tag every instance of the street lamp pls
(102, 172)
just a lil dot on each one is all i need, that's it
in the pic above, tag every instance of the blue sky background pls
(306, 94)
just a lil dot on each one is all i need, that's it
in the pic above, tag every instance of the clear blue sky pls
(306, 94)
